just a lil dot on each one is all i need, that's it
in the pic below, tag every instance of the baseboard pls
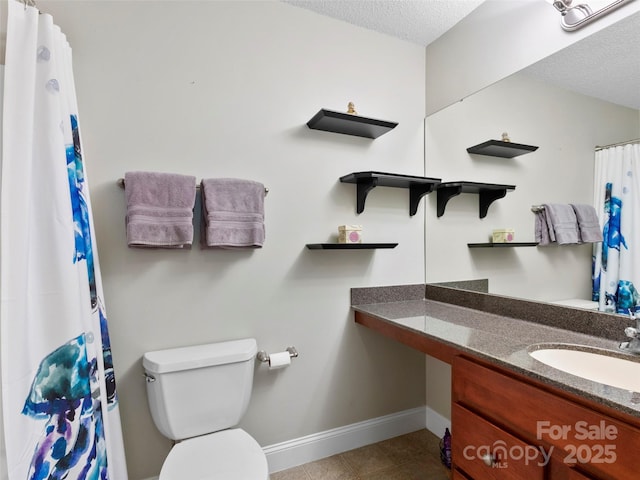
(292, 453)
(436, 423)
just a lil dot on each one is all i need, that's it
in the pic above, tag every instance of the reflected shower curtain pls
(616, 261)
(59, 403)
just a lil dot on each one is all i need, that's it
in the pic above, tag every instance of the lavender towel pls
(588, 223)
(542, 229)
(159, 209)
(232, 213)
(562, 223)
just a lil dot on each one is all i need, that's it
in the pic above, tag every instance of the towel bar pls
(120, 183)
(537, 208)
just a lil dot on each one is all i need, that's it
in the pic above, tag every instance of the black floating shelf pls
(489, 193)
(498, 148)
(349, 246)
(349, 124)
(366, 181)
(502, 245)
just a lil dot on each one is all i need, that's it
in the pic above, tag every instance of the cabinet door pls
(483, 451)
(558, 470)
(584, 439)
(457, 475)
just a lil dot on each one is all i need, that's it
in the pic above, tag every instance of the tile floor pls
(414, 456)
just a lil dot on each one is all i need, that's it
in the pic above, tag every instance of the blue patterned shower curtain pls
(59, 404)
(616, 261)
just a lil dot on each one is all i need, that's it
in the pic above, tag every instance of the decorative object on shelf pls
(488, 192)
(349, 246)
(503, 235)
(349, 124)
(501, 245)
(350, 234)
(505, 137)
(351, 109)
(501, 148)
(366, 181)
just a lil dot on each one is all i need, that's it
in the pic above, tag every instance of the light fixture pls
(576, 16)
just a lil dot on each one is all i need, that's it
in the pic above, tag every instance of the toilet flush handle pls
(149, 378)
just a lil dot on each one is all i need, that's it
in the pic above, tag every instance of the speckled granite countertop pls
(501, 339)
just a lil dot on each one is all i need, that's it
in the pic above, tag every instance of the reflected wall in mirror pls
(565, 105)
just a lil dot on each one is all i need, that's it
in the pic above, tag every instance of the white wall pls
(565, 126)
(3, 448)
(216, 89)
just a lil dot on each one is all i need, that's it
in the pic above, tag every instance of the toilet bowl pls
(197, 396)
(231, 454)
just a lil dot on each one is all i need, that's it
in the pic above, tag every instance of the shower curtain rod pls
(628, 142)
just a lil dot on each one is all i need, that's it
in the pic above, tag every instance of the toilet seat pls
(226, 455)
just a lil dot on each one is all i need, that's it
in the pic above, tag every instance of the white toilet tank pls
(201, 389)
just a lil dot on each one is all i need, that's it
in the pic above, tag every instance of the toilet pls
(197, 395)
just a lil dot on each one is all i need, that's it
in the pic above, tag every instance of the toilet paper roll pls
(279, 360)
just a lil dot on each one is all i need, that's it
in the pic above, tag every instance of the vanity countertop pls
(501, 340)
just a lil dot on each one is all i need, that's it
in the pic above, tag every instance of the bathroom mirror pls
(594, 67)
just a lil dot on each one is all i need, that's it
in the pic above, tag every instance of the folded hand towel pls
(159, 209)
(588, 223)
(562, 222)
(541, 229)
(233, 213)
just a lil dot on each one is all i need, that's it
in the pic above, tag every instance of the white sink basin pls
(594, 364)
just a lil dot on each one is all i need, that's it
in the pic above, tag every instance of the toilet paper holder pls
(264, 356)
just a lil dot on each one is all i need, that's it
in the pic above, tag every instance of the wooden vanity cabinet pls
(506, 426)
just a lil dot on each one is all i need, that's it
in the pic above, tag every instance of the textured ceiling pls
(605, 65)
(417, 21)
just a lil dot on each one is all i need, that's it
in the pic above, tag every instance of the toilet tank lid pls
(198, 356)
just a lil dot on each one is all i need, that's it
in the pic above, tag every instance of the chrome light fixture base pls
(577, 16)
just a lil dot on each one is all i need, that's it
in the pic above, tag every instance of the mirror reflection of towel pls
(566, 224)
(232, 213)
(562, 223)
(556, 224)
(541, 229)
(588, 223)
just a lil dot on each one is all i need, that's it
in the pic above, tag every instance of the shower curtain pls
(616, 261)
(59, 402)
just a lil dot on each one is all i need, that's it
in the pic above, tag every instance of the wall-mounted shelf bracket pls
(488, 192)
(366, 181)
